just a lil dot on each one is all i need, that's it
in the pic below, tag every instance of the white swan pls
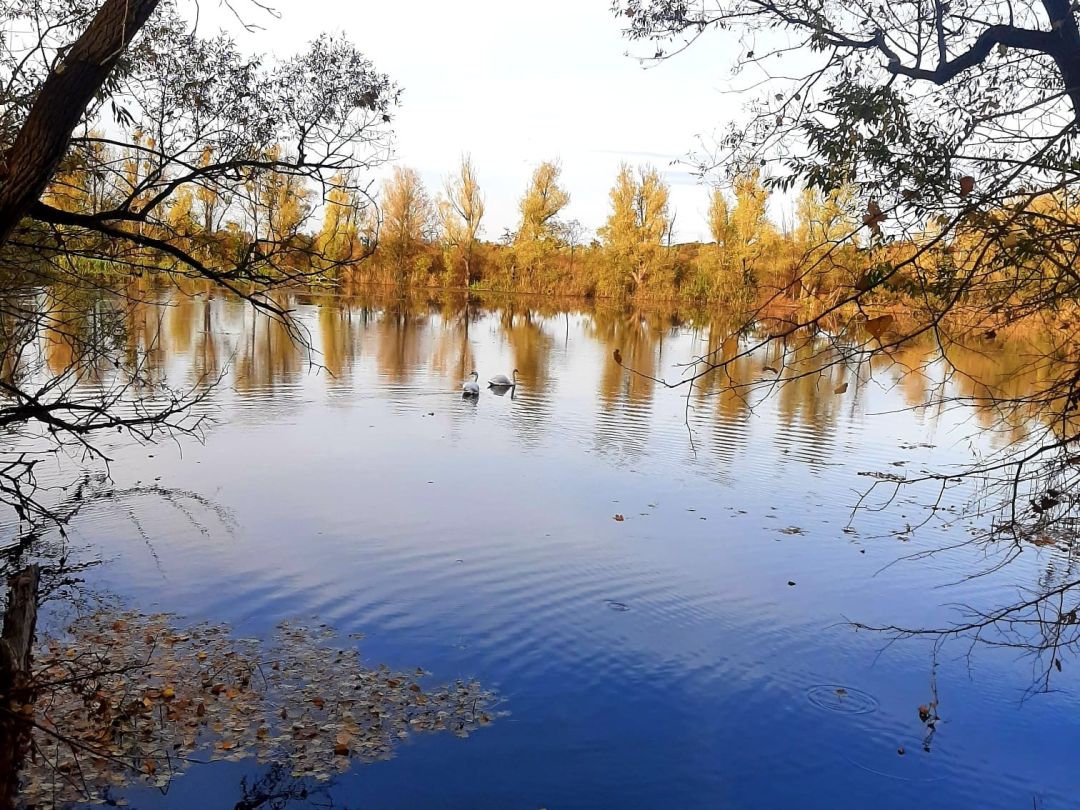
(502, 381)
(471, 388)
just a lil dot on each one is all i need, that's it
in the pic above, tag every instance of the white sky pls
(515, 83)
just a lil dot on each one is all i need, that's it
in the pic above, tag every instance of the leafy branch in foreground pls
(121, 129)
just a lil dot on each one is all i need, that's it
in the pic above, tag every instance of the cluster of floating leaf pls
(130, 698)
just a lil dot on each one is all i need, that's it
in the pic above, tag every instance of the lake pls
(659, 583)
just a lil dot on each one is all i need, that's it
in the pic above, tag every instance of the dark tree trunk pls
(16, 647)
(1067, 54)
(43, 139)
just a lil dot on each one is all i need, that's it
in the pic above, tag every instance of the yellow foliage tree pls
(339, 236)
(179, 217)
(634, 234)
(749, 223)
(408, 217)
(824, 222)
(278, 201)
(208, 196)
(719, 217)
(74, 187)
(538, 234)
(460, 211)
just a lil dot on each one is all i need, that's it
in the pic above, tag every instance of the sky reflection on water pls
(659, 661)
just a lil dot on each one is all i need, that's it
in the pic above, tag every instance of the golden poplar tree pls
(633, 235)
(749, 222)
(279, 201)
(408, 217)
(719, 217)
(460, 211)
(209, 199)
(339, 235)
(538, 234)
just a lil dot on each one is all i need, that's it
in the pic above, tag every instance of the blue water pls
(655, 662)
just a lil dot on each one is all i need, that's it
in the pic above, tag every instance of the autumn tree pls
(276, 201)
(537, 236)
(121, 125)
(572, 234)
(749, 226)
(340, 240)
(408, 218)
(461, 209)
(952, 124)
(720, 275)
(77, 184)
(719, 217)
(633, 235)
(211, 202)
(824, 240)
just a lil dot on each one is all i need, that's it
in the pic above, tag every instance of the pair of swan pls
(471, 387)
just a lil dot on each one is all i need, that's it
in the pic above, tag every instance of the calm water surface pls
(656, 662)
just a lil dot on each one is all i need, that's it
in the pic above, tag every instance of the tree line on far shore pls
(404, 233)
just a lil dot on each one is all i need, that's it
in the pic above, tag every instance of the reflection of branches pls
(276, 789)
(67, 379)
(1015, 498)
(955, 125)
(1043, 624)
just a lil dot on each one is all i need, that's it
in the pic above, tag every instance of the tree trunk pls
(16, 647)
(43, 139)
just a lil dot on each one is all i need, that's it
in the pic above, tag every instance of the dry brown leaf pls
(873, 217)
(125, 704)
(879, 325)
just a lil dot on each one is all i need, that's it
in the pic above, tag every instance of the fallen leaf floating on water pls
(840, 389)
(770, 369)
(201, 693)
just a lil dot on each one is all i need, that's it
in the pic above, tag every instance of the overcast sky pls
(515, 83)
